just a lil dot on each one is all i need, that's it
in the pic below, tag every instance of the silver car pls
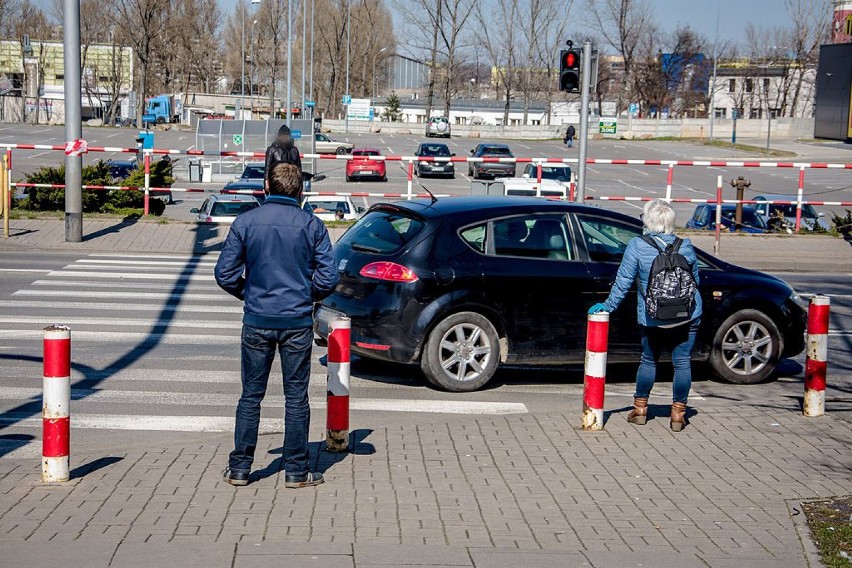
(223, 208)
(438, 126)
(326, 145)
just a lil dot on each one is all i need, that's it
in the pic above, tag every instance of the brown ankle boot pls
(678, 420)
(639, 414)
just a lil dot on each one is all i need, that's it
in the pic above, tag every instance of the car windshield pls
(750, 218)
(232, 208)
(434, 150)
(121, 171)
(808, 211)
(496, 150)
(329, 206)
(366, 153)
(439, 119)
(382, 232)
(253, 172)
(555, 173)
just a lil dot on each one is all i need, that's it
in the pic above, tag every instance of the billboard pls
(359, 109)
(841, 25)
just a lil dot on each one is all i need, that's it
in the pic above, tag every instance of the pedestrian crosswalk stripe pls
(141, 269)
(128, 322)
(133, 285)
(211, 255)
(128, 295)
(135, 276)
(189, 262)
(121, 336)
(219, 309)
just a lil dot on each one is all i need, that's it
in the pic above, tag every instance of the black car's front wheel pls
(461, 353)
(746, 347)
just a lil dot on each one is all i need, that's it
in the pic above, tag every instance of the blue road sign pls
(310, 103)
(634, 108)
(347, 99)
(296, 133)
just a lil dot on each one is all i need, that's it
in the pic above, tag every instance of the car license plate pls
(324, 318)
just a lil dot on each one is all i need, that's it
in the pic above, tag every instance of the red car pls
(362, 165)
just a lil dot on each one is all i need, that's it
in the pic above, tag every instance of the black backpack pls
(671, 286)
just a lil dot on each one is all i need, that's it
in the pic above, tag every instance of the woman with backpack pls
(669, 308)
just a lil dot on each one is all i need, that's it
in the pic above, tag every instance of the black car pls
(461, 285)
(431, 167)
(484, 169)
(255, 186)
(119, 170)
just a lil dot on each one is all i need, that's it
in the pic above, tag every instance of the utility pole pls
(311, 94)
(348, 45)
(289, 59)
(585, 82)
(73, 123)
(242, 67)
(713, 79)
(304, 45)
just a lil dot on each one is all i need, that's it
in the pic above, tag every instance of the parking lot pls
(602, 180)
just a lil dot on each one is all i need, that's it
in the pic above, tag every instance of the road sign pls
(359, 109)
(296, 133)
(310, 103)
(347, 99)
(634, 108)
(238, 139)
(608, 126)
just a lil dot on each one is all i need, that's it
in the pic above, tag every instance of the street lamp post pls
(348, 45)
(251, 72)
(375, 80)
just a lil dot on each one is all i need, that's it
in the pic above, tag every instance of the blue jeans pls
(258, 352)
(676, 340)
(570, 142)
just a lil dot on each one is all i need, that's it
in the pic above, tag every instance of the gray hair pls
(658, 216)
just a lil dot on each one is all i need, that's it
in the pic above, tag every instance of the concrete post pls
(73, 122)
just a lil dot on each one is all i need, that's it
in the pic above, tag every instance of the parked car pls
(327, 208)
(241, 187)
(120, 170)
(479, 170)
(363, 165)
(781, 217)
(223, 208)
(556, 172)
(704, 217)
(430, 168)
(463, 285)
(438, 126)
(526, 187)
(324, 144)
(253, 170)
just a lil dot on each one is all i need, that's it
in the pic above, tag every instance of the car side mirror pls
(821, 214)
(526, 176)
(318, 177)
(453, 154)
(360, 210)
(194, 210)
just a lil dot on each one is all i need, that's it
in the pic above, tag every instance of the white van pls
(531, 188)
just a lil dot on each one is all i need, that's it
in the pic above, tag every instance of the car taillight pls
(391, 271)
(208, 220)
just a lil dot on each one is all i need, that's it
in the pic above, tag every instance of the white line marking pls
(141, 269)
(630, 185)
(121, 322)
(131, 285)
(127, 337)
(128, 295)
(113, 306)
(132, 276)
(641, 172)
(24, 270)
(382, 140)
(149, 262)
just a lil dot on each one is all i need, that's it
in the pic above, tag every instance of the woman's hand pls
(597, 308)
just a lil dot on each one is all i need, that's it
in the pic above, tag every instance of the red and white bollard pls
(337, 420)
(669, 177)
(147, 207)
(410, 180)
(816, 356)
(594, 381)
(56, 404)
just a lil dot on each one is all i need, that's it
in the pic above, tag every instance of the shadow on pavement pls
(93, 466)
(322, 460)
(126, 222)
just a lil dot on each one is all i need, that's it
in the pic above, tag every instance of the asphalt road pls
(156, 347)
(602, 180)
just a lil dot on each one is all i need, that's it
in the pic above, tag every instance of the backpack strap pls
(652, 242)
(676, 244)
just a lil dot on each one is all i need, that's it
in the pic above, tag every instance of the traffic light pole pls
(585, 82)
(73, 123)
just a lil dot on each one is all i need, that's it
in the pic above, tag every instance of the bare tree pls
(500, 42)
(809, 28)
(456, 14)
(543, 24)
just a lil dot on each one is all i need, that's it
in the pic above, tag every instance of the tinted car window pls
(538, 236)
(496, 150)
(808, 211)
(606, 239)
(232, 209)
(366, 153)
(382, 232)
(253, 172)
(750, 217)
(475, 237)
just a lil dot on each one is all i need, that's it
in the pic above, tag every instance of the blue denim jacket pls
(278, 258)
(636, 263)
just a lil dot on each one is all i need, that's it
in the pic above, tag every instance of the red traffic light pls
(570, 59)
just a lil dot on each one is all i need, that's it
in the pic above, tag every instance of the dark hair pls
(285, 179)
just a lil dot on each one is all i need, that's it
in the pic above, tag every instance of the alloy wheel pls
(747, 347)
(465, 352)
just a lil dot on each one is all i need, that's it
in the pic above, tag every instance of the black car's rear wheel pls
(746, 347)
(461, 353)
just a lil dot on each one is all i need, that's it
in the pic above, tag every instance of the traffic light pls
(569, 70)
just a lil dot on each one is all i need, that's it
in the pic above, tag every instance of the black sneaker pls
(238, 478)
(305, 480)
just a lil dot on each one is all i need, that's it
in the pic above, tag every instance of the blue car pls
(704, 218)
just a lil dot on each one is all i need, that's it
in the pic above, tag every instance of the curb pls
(800, 523)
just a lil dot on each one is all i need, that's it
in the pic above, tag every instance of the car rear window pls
(436, 150)
(232, 209)
(382, 232)
(496, 150)
(327, 206)
(253, 172)
(366, 153)
(560, 174)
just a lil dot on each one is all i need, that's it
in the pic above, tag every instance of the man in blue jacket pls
(278, 259)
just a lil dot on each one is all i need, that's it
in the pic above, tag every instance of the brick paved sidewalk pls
(523, 490)
(762, 252)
